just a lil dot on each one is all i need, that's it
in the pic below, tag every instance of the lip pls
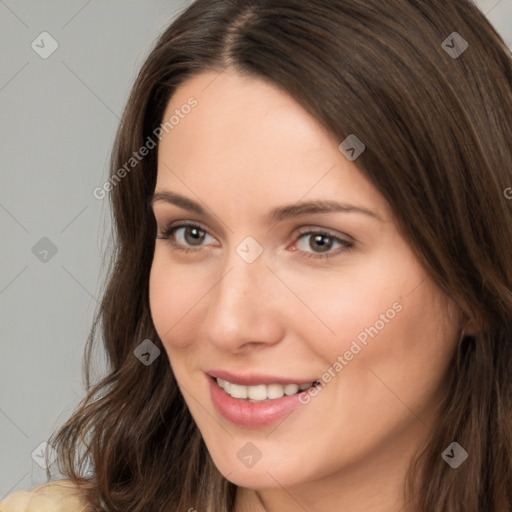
(255, 379)
(248, 414)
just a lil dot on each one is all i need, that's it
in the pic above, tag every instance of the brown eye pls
(321, 242)
(193, 235)
(186, 235)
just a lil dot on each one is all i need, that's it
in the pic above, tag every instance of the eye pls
(321, 244)
(185, 236)
(189, 236)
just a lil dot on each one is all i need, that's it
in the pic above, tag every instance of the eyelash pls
(168, 233)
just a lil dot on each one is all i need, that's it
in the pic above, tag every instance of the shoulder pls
(56, 496)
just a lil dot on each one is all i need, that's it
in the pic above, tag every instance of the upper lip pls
(255, 379)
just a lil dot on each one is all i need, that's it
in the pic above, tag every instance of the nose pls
(245, 307)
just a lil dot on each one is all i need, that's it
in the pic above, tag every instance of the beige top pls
(56, 496)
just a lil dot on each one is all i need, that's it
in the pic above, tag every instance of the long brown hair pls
(436, 118)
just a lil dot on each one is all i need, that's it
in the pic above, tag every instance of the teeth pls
(237, 391)
(256, 392)
(291, 389)
(275, 391)
(262, 391)
(224, 384)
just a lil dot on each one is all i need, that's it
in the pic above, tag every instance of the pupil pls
(323, 243)
(194, 236)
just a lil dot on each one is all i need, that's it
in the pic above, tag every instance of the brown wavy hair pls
(438, 135)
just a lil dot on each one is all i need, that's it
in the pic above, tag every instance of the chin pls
(262, 475)
(257, 479)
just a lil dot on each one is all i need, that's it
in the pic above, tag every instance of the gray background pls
(58, 119)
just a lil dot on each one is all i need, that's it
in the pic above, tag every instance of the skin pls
(247, 148)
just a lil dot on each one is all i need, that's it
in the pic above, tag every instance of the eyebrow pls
(277, 215)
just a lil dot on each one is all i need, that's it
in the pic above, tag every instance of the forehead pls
(251, 112)
(256, 140)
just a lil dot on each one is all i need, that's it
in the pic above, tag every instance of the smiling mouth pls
(262, 392)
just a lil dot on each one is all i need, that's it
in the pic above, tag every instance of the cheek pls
(388, 321)
(400, 368)
(355, 303)
(175, 291)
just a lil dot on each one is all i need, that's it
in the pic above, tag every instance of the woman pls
(310, 303)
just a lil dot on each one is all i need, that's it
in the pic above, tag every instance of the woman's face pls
(271, 285)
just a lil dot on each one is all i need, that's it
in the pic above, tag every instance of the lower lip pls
(252, 414)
